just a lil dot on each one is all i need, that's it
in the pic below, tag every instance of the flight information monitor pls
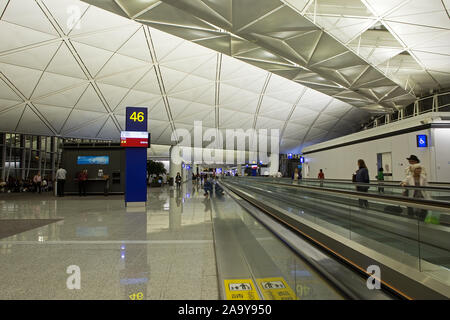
(134, 139)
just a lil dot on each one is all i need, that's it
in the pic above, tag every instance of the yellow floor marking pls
(276, 289)
(240, 289)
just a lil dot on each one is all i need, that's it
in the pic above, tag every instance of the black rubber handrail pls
(422, 203)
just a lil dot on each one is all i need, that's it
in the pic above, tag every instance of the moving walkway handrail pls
(383, 183)
(386, 183)
(402, 201)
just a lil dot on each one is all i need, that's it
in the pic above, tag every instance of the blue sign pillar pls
(136, 158)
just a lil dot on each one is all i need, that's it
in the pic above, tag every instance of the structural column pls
(3, 157)
(175, 162)
(274, 164)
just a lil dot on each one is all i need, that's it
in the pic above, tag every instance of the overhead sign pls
(422, 141)
(134, 139)
(240, 289)
(136, 158)
(136, 119)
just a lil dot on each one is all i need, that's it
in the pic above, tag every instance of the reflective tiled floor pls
(164, 251)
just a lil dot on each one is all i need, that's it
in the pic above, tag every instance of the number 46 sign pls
(136, 119)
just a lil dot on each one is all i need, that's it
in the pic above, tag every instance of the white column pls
(175, 162)
(274, 164)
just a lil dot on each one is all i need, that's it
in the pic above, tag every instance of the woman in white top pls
(417, 179)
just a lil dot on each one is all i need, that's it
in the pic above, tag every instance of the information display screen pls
(92, 160)
(134, 139)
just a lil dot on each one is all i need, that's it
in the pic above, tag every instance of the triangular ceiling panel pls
(33, 17)
(7, 93)
(113, 94)
(95, 20)
(10, 118)
(185, 51)
(149, 83)
(158, 112)
(51, 82)
(22, 36)
(137, 47)
(90, 101)
(34, 57)
(5, 104)
(65, 64)
(83, 123)
(204, 94)
(66, 98)
(31, 123)
(137, 98)
(109, 40)
(124, 79)
(164, 43)
(109, 131)
(204, 65)
(119, 63)
(93, 58)
(67, 13)
(56, 116)
(24, 79)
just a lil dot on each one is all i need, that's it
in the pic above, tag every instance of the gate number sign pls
(136, 119)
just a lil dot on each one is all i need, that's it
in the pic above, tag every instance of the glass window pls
(34, 143)
(28, 141)
(48, 147)
(34, 162)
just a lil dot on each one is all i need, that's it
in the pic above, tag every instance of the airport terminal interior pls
(224, 150)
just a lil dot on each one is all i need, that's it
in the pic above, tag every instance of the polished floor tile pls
(164, 251)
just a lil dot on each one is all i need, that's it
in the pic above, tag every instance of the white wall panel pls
(341, 163)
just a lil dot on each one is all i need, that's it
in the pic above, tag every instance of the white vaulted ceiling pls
(69, 68)
(408, 40)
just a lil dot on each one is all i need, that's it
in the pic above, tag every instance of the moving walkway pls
(413, 255)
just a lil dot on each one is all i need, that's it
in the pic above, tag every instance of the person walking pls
(321, 177)
(417, 179)
(295, 176)
(82, 181)
(37, 181)
(178, 180)
(60, 180)
(380, 177)
(412, 160)
(361, 177)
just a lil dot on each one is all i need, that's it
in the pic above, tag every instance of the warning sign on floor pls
(240, 289)
(276, 289)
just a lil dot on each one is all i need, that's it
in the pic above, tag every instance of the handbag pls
(354, 178)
